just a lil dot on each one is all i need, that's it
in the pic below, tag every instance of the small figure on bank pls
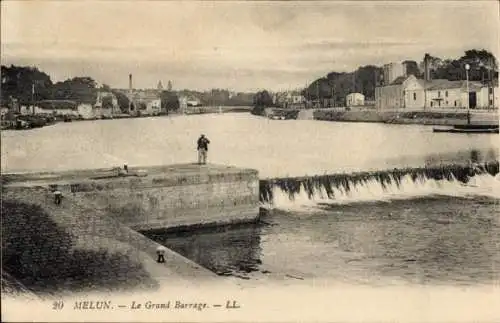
(160, 251)
(57, 197)
(202, 149)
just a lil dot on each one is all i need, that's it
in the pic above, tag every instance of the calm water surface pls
(275, 148)
(431, 236)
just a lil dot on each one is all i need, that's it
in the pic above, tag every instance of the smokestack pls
(427, 71)
(130, 82)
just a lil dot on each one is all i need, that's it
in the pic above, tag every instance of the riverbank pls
(407, 117)
(26, 122)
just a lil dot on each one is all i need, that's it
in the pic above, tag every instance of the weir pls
(332, 184)
(103, 210)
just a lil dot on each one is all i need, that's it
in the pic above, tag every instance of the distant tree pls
(107, 102)
(412, 68)
(79, 89)
(106, 88)
(483, 66)
(26, 84)
(337, 85)
(169, 101)
(263, 99)
(241, 99)
(123, 101)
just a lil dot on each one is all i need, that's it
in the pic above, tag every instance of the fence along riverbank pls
(377, 184)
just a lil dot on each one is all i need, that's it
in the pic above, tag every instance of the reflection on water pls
(417, 241)
(275, 148)
(433, 240)
(226, 251)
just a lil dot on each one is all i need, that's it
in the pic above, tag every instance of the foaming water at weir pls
(450, 180)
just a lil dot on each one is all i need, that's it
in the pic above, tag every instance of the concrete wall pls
(487, 100)
(414, 94)
(184, 195)
(355, 99)
(446, 98)
(76, 247)
(389, 97)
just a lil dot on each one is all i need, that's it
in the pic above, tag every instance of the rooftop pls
(399, 80)
(440, 84)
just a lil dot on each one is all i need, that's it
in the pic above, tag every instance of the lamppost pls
(467, 68)
(33, 98)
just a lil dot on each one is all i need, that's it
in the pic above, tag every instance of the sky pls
(239, 45)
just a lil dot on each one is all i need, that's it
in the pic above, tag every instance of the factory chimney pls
(130, 105)
(427, 70)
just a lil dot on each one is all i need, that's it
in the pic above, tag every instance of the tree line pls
(29, 85)
(337, 85)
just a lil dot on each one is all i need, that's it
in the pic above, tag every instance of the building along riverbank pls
(423, 117)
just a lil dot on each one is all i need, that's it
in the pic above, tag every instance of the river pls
(430, 232)
(275, 148)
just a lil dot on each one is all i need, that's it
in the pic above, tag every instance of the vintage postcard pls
(257, 161)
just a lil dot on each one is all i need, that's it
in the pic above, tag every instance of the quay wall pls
(431, 117)
(72, 247)
(161, 198)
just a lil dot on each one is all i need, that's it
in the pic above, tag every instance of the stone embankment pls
(89, 241)
(73, 246)
(406, 117)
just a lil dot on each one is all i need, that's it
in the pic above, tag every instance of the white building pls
(489, 97)
(86, 111)
(401, 93)
(392, 71)
(55, 107)
(103, 110)
(452, 94)
(193, 102)
(415, 94)
(4, 111)
(153, 107)
(355, 99)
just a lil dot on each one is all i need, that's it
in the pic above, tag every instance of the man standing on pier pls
(202, 149)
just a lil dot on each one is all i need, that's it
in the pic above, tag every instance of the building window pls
(455, 102)
(490, 90)
(432, 103)
(439, 94)
(446, 94)
(491, 102)
(446, 102)
(414, 96)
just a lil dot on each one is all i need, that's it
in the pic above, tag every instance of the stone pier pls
(92, 236)
(159, 197)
